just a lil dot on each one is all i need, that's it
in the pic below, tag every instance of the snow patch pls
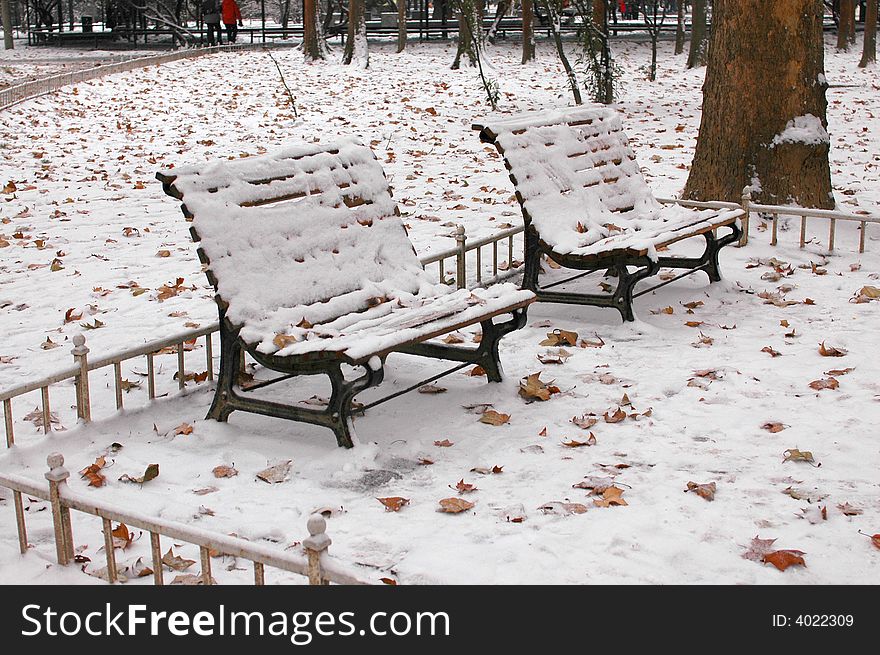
(807, 129)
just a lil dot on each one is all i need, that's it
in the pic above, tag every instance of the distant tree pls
(528, 32)
(869, 46)
(356, 43)
(311, 25)
(469, 35)
(679, 29)
(654, 13)
(764, 123)
(699, 36)
(846, 23)
(6, 17)
(401, 25)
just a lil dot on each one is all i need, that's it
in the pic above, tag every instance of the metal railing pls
(775, 211)
(13, 95)
(316, 564)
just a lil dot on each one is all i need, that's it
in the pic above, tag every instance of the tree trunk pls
(356, 44)
(605, 81)
(468, 15)
(844, 15)
(697, 51)
(528, 32)
(869, 47)
(764, 104)
(679, 29)
(401, 25)
(6, 16)
(311, 47)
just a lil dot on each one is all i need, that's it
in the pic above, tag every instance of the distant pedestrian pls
(231, 19)
(211, 14)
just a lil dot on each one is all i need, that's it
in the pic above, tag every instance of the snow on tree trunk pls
(679, 29)
(869, 47)
(401, 25)
(697, 51)
(528, 32)
(356, 44)
(311, 44)
(764, 105)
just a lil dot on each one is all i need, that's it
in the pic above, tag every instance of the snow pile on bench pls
(310, 254)
(581, 186)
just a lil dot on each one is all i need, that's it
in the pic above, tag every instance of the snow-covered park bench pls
(587, 206)
(313, 270)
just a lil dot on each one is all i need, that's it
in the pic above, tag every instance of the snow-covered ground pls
(87, 220)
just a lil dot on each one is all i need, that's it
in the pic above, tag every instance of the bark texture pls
(401, 25)
(845, 24)
(869, 46)
(311, 46)
(528, 32)
(766, 69)
(356, 43)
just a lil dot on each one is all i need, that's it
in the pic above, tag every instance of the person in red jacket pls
(231, 19)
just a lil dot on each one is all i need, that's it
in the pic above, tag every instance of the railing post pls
(57, 475)
(746, 201)
(460, 257)
(316, 544)
(80, 354)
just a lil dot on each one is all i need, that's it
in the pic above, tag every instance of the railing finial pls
(316, 544)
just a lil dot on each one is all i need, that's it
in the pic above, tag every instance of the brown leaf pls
(393, 503)
(825, 383)
(610, 497)
(388, 581)
(283, 340)
(476, 371)
(591, 441)
(275, 474)
(224, 471)
(770, 351)
(795, 455)
(586, 421)
(176, 562)
(463, 487)
(866, 294)
(596, 485)
(494, 418)
(558, 507)
(446, 443)
(840, 371)
(706, 491)
(665, 310)
(550, 357)
(93, 474)
(431, 389)
(150, 473)
(773, 426)
(121, 537)
(587, 343)
(533, 388)
(782, 559)
(183, 429)
(758, 548)
(560, 338)
(424, 461)
(830, 351)
(455, 505)
(163, 253)
(849, 510)
(616, 417)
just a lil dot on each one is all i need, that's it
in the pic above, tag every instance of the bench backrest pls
(576, 177)
(309, 229)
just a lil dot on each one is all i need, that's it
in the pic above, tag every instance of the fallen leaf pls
(275, 474)
(560, 338)
(830, 351)
(532, 387)
(795, 455)
(610, 497)
(176, 562)
(494, 418)
(463, 487)
(477, 371)
(782, 559)
(595, 484)
(840, 371)
(849, 510)
(558, 507)
(393, 503)
(591, 441)
(93, 474)
(706, 491)
(616, 417)
(183, 429)
(455, 505)
(151, 473)
(121, 537)
(586, 421)
(773, 426)
(758, 548)
(825, 383)
(431, 389)
(446, 443)
(770, 351)
(224, 471)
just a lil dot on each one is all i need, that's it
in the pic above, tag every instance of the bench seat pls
(587, 206)
(313, 269)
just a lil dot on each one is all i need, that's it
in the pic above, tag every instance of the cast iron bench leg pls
(626, 282)
(487, 354)
(344, 391)
(230, 356)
